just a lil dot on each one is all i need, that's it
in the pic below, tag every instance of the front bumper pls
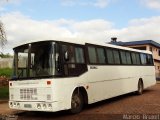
(35, 106)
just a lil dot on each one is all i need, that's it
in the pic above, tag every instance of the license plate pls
(27, 105)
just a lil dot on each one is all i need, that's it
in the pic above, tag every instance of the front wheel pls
(140, 88)
(76, 103)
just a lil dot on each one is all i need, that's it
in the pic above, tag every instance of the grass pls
(6, 72)
(4, 92)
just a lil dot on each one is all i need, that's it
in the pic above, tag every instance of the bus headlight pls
(11, 104)
(18, 104)
(50, 106)
(44, 106)
(39, 106)
(14, 104)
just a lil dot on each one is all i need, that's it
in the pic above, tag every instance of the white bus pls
(58, 75)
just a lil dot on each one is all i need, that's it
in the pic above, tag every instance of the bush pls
(4, 92)
(7, 72)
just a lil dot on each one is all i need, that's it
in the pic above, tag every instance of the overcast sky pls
(128, 20)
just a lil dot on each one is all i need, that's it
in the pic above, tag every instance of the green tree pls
(3, 38)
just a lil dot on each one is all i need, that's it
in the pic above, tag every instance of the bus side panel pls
(110, 81)
(103, 83)
(148, 76)
(65, 88)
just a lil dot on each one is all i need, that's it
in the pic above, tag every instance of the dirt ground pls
(126, 107)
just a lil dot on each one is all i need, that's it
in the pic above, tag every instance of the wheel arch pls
(140, 87)
(84, 93)
(141, 79)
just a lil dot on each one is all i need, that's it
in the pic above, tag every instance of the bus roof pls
(82, 42)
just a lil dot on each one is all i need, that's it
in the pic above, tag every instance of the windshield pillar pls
(15, 64)
(29, 60)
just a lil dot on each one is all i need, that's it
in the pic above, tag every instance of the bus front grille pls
(28, 94)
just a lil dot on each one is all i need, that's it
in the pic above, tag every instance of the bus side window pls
(68, 49)
(71, 54)
(128, 57)
(75, 64)
(116, 57)
(138, 59)
(135, 58)
(149, 60)
(143, 58)
(123, 57)
(101, 56)
(92, 55)
(110, 57)
(79, 55)
(96, 55)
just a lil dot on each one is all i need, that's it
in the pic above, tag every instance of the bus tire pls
(77, 103)
(140, 87)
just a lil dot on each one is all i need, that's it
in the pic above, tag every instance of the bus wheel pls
(140, 87)
(76, 103)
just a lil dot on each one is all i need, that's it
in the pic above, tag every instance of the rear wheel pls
(140, 87)
(77, 103)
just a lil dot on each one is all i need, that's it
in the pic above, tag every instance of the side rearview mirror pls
(57, 57)
(66, 56)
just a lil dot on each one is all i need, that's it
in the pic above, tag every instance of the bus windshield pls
(34, 60)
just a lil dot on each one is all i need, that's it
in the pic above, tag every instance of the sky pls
(92, 20)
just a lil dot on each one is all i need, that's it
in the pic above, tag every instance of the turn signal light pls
(48, 82)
